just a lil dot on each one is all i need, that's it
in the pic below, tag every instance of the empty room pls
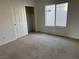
(39, 29)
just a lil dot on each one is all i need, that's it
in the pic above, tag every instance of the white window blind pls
(61, 14)
(56, 15)
(50, 15)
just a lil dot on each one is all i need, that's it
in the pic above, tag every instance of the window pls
(50, 15)
(61, 14)
(56, 15)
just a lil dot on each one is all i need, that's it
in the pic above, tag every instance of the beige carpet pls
(41, 46)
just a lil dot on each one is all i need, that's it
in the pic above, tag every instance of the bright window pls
(56, 15)
(61, 14)
(50, 15)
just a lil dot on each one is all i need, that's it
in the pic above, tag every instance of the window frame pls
(55, 15)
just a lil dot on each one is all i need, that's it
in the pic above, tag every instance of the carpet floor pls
(40, 46)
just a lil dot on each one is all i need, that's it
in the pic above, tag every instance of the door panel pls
(20, 22)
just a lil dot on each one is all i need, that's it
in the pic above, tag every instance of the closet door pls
(20, 22)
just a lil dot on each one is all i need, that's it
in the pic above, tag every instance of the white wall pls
(73, 19)
(72, 29)
(7, 31)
